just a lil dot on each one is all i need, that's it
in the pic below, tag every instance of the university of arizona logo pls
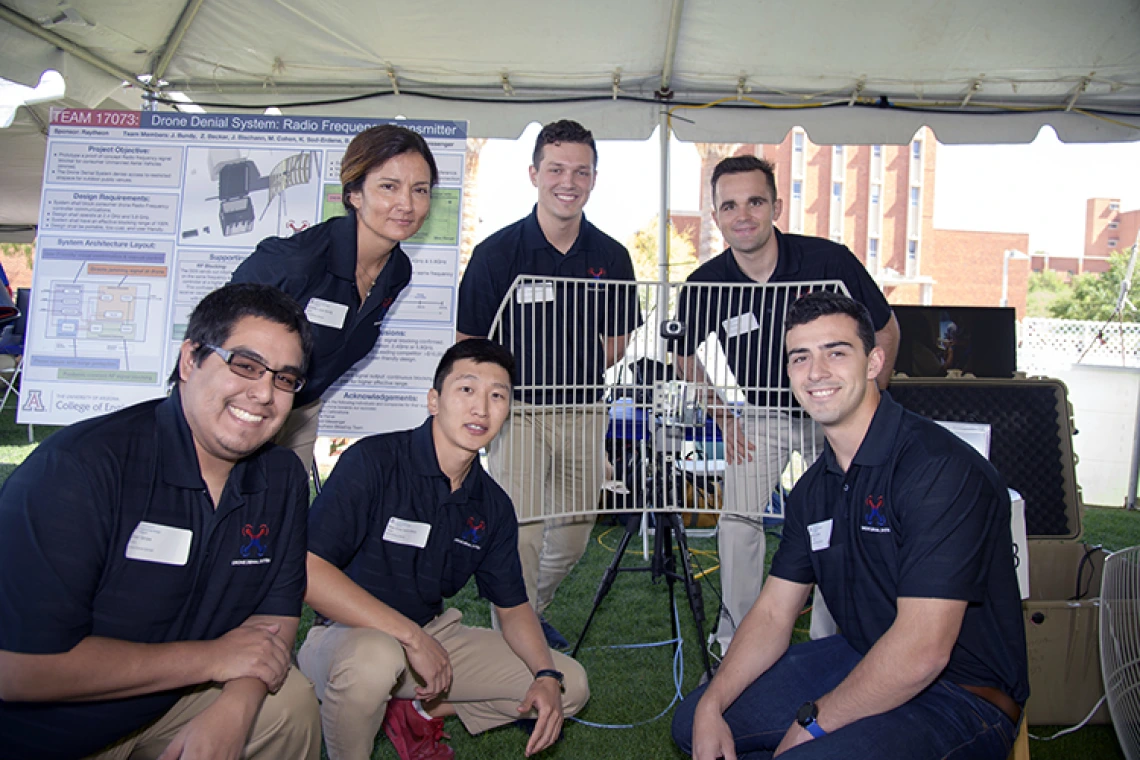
(874, 521)
(597, 274)
(472, 534)
(33, 401)
(254, 541)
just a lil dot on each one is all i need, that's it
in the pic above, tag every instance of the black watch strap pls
(555, 674)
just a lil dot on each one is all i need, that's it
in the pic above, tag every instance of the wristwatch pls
(555, 674)
(806, 716)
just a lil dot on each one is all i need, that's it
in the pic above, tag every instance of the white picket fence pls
(1046, 345)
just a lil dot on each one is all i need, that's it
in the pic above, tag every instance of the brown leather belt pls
(997, 698)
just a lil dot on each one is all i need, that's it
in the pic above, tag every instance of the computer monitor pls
(976, 340)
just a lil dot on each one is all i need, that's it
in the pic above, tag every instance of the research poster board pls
(144, 213)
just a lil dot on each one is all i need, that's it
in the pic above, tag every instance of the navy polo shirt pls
(66, 517)
(917, 514)
(557, 335)
(749, 322)
(320, 263)
(383, 479)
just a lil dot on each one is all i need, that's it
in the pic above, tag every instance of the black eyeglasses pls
(246, 366)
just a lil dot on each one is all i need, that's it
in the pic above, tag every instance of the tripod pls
(669, 531)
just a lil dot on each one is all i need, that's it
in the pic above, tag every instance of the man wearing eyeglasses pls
(152, 561)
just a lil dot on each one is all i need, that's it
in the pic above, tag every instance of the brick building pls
(878, 200)
(1108, 230)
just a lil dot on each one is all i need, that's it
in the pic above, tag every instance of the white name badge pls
(326, 313)
(535, 293)
(745, 323)
(820, 533)
(407, 532)
(164, 544)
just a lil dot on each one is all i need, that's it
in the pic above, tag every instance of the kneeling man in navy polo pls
(152, 561)
(906, 531)
(405, 520)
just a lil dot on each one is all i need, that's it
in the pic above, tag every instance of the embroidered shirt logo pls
(254, 545)
(874, 520)
(597, 274)
(472, 534)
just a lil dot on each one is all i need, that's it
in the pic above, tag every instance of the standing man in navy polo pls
(758, 442)
(551, 459)
(405, 521)
(152, 561)
(905, 529)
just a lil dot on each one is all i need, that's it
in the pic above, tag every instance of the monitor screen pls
(977, 340)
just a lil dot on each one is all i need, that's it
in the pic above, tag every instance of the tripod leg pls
(692, 588)
(608, 579)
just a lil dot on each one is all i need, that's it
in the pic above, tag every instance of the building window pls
(873, 255)
(875, 212)
(911, 249)
(913, 212)
(916, 162)
(1112, 242)
(799, 141)
(796, 222)
(1113, 224)
(876, 163)
(1114, 206)
(837, 212)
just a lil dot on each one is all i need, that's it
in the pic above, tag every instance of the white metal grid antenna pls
(627, 389)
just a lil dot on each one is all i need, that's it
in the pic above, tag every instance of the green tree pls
(1093, 296)
(1045, 287)
(643, 250)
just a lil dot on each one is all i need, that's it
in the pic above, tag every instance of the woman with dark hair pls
(346, 272)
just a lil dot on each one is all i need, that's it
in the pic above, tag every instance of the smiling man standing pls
(405, 520)
(152, 561)
(551, 458)
(749, 326)
(906, 531)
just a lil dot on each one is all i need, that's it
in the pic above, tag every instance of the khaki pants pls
(286, 728)
(299, 432)
(357, 670)
(551, 462)
(748, 487)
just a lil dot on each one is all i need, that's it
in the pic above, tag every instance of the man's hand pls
(252, 650)
(217, 733)
(545, 696)
(430, 661)
(712, 737)
(738, 448)
(794, 737)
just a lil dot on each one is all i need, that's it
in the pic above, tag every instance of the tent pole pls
(663, 208)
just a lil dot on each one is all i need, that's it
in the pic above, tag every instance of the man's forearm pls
(760, 640)
(615, 348)
(101, 668)
(523, 634)
(905, 660)
(337, 597)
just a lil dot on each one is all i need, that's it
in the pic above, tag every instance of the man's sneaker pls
(414, 736)
(554, 639)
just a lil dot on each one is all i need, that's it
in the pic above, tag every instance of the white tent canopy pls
(872, 72)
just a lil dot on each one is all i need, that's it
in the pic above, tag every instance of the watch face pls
(806, 714)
